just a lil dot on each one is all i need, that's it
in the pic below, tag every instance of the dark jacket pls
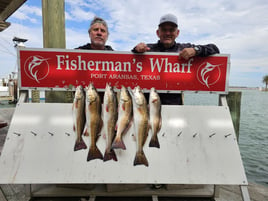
(88, 47)
(204, 51)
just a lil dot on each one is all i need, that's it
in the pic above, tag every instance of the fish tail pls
(118, 144)
(79, 145)
(109, 155)
(154, 142)
(94, 153)
(140, 159)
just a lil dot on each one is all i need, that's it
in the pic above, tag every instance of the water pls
(253, 134)
(253, 139)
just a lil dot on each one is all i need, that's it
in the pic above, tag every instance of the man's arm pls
(191, 50)
(140, 48)
(206, 50)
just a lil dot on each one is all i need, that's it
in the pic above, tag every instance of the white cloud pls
(8, 56)
(28, 13)
(78, 14)
(239, 28)
(73, 36)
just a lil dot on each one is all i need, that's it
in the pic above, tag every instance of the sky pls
(238, 28)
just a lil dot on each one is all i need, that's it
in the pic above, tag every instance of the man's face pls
(167, 34)
(98, 35)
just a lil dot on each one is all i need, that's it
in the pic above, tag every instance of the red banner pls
(55, 68)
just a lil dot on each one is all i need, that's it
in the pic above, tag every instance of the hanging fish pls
(124, 118)
(141, 126)
(155, 117)
(79, 117)
(93, 121)
(109, 120)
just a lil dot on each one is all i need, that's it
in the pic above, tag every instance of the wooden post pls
(35, 96)
(54, 37)
(53, 23)
(234, 103)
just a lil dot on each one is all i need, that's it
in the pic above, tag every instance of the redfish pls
(93, 121)
(141, 125)
(109, 121)
(124, 118)
(79, 117)
(155, 117)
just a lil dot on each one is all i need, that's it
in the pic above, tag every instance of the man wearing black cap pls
(167, 32)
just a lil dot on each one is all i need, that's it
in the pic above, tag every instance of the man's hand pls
(142, 47)
(187, 53)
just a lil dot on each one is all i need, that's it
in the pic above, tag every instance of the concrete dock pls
(16, 192)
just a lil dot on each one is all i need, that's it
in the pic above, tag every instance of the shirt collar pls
(163, 48)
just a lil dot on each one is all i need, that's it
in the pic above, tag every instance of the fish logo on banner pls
(208, 74)
(36, 68)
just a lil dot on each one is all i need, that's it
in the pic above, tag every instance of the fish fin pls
(127, 128)
(118, 144)
(94, 153)
(154, 100)
(154, 142)
(79, 145)
(145, 136)
(104, 136)
(86, 133)
(100, 126)
(140, 159)
(75, 104)
(123, 107)
(109, 155)
(74, 128)
(106, 108)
